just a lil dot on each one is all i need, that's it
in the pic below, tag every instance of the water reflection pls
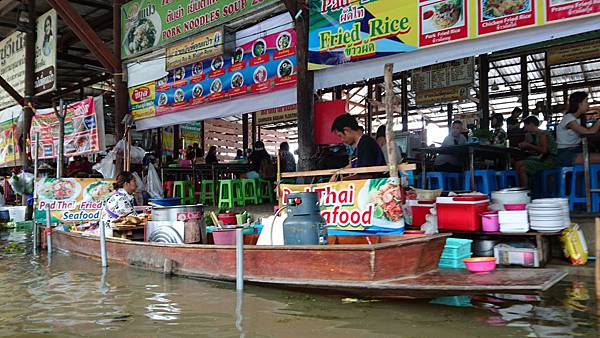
(161, 307)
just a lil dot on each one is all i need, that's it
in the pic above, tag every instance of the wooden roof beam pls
(11, 91)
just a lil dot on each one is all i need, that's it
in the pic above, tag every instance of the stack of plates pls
(549, 214)
(513, 221)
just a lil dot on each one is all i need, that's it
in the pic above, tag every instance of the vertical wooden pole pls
(484, 90)
(254, 138)
(29, 81)
(404, 101)
(597, 274)
(389, 119)
(548, 84)
(121, 94)
(203, 139)
(450, 109)
(245, 131)
(369, 108)
(524, 86)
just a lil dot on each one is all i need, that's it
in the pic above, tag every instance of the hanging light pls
(494, 86)
(23, 24)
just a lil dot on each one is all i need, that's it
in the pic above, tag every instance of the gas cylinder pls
(304, 224)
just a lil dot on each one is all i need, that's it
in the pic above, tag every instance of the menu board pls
(84, 129)
(258, 66)
(349, 31)
(9, 145)
(444, 82)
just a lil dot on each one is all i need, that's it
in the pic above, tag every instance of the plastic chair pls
(577, 195)
(185, 191)
(443, 180)
(507, 179)
(485, 181)
(250, 191)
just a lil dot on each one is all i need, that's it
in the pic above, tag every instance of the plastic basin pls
(490, 222)
(480, 264)
(166, 202)
(514, 207)
(224, 237)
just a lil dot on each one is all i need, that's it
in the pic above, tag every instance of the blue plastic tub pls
(166, 202)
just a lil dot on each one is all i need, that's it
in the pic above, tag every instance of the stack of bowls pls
(549, 214)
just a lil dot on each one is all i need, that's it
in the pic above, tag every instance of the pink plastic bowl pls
(480, 264)
(513, 207)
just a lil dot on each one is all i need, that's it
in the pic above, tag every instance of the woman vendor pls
(542, 145)
(120, 203)
(569, 131)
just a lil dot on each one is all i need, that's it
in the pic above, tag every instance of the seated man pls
(447, 162)
(366, 150)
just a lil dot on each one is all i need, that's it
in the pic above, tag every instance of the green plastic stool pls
(266, 192)
(250, 191)
(230, 193)
(185, 191)
(207, 192)
(238, 193)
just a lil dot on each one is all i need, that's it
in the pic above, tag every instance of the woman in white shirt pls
(569, 131)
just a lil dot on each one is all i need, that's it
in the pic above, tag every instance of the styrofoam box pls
(512, 217)
(516, 256)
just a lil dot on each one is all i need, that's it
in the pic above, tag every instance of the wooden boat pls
(398, 266)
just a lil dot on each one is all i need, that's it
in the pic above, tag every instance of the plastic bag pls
(153, 183)
(107, 166)
(137, 154)
(139, 183)
(574, 247)
(430, 226)
(22, 183)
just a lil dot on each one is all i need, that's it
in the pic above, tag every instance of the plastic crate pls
(453, 263)
(456, 248)
(458, 301)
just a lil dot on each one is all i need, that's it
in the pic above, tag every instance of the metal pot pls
(484, 247)
(191, 215)
(510, 196)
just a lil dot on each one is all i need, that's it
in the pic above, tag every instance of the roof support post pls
(484, 91)
(404, 101)
(524, 86)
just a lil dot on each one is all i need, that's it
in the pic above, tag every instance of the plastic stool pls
(168, 187)
(185, 191)
(564, 188)
(577, 195)
(226, 193)
(265, 188)
(507, 179)
(207, 192)
(550, 190)
(485, 181)
(250, 191)
(238, 193)
(442, 180)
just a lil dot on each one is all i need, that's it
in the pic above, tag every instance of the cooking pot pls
(484, 247)
(510, 196)
(191, 215)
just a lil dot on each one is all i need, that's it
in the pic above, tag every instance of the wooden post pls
(245, 131)
(484, 90)
(253, 129)
(369, 109)
(548, 84)
(450, 108)
(524, 86)
(597, 275)
(60, 157)
(121, 93)
(389, 119)
(29, 80)
(404, 101)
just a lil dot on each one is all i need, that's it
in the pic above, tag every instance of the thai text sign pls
(72, 199)
(447, 81)
(356, 205)
(203, 46)
(9, 146)
(277, 115)
(146, 24)
(575, 52)
(343, 31)
(141, 100)
(84, 129)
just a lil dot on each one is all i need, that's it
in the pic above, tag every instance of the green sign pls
(147, 24)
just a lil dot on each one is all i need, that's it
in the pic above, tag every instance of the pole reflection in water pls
(161, 307)
(239, 312)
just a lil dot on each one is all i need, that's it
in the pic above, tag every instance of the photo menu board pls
(262, 65)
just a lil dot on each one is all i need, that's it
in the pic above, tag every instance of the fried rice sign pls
(72, 199)
(356, 205)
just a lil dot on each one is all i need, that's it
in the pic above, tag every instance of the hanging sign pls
(84, 129)
(72, 199)
(356, 205)
(277, 115)
(191, 132)
(444, 82)
(10, 155)
(147, 24)
(586, 50)
(200, 47)
(12, 66)
(45, 53)
(141, 100)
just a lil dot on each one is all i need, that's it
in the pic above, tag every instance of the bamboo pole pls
(60, 157)
(389, 119)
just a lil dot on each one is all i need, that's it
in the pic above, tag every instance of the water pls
(70, 296)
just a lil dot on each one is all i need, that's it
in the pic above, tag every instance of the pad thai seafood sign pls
(357, 205)
(77, 200)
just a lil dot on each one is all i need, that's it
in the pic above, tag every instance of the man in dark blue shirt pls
(367, 151)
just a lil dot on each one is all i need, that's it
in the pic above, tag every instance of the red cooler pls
(420, 209)
(461, 212)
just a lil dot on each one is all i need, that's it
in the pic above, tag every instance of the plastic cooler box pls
(419, 210)
(461, 212)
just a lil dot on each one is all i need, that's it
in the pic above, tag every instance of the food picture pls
(163, 99)
(259, 48)
(179, 74)
(386, 198)
(238, 56)
(83, 144)
(58, 189)
(493, 9)
(78, 124)
(216, 86)
(141, 36)
(197, 69)
(260, 74)
(197, 91)
(163, 81)
(561, 2)
(286, 68)
(284, 41)
(237, 80)
(98, 191)
(442, 15)
(217, 63)
(179, 95)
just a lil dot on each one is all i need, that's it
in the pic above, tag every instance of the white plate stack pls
(513, 221)
(549, 214)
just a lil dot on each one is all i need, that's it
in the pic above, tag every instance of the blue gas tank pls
(304, 224)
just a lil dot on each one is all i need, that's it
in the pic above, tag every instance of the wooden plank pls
(344, 171)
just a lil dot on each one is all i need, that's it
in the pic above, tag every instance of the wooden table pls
(542, 239)
(470, 150)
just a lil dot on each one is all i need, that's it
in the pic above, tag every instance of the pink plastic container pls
(224, 237)
(480, 264)
(489, 221)
(515, 207)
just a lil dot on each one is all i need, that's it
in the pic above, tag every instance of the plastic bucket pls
(489, 222)
(224, 237)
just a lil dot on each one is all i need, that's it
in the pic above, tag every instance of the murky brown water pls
(70, 296)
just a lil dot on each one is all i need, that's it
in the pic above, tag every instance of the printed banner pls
(586, 50)
(72, 199)
(277, 115)
(10, 155)
(200, 47)
(84, 129)
(356, 205)
(147, 24)
(258, 66)
(191, 133)
(343, 31)
(141, 100)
